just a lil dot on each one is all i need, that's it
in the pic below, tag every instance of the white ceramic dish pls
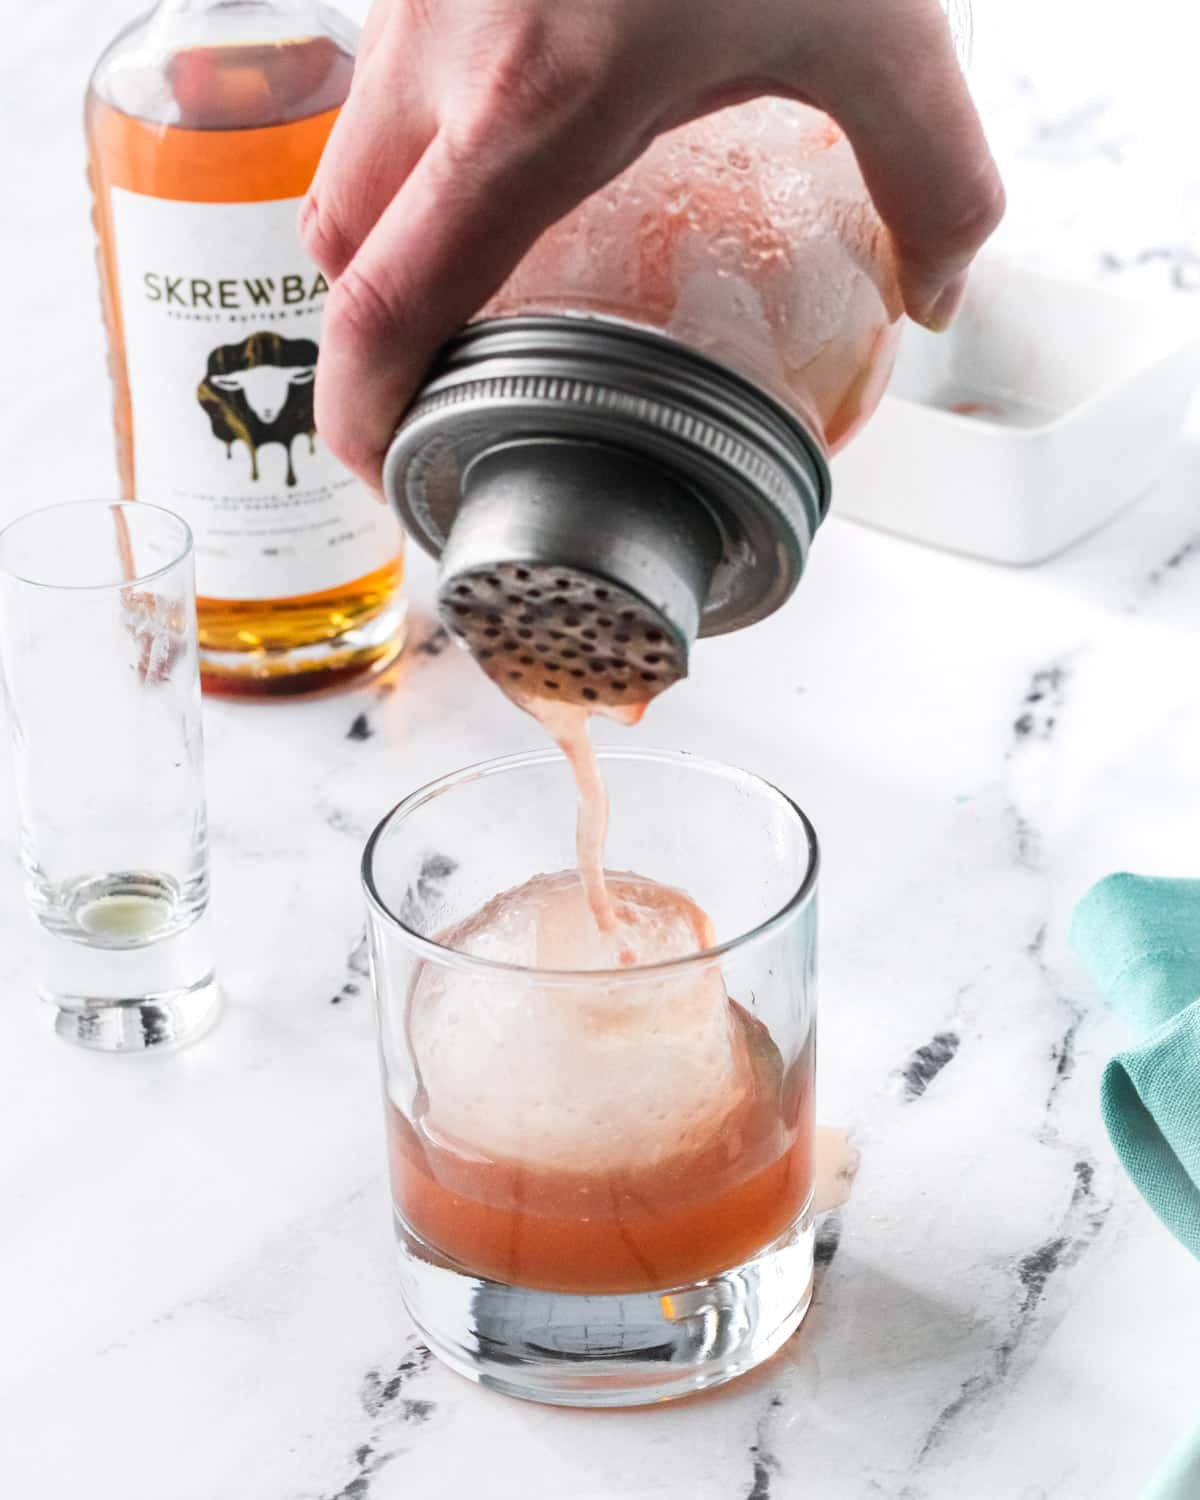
(1046, 408)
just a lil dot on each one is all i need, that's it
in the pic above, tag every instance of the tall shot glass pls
(601, 1180)
(99, 666)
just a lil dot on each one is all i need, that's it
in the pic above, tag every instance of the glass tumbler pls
(601, 1180)
(99, 666)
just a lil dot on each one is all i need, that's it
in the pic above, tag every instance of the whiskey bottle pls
(205, 121)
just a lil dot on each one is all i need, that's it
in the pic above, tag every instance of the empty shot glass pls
(601, 1177)
(99, 666)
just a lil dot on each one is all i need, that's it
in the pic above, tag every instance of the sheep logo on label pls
(261, 391)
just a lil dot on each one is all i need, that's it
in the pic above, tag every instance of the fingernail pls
(946, 304)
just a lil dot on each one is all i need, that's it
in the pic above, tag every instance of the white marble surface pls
(197, 1288)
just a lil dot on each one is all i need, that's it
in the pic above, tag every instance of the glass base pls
(125, 962)
(150, 1023)
(331, 663)
(620, 1350)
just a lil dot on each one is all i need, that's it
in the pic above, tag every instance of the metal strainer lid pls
(599, 495)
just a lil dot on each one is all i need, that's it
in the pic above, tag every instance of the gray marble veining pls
(197, 1290)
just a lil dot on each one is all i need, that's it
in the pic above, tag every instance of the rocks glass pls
(602, 1179)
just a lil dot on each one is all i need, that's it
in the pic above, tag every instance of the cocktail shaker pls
(629, 449)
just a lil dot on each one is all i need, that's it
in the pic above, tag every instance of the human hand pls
(473, 125)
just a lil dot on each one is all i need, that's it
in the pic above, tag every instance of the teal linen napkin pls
(1179, 1478)
(1140, 937)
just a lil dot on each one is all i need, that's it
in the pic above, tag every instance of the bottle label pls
(221, 313)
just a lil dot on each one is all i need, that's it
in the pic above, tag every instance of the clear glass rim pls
(435, 952)
(32, 517)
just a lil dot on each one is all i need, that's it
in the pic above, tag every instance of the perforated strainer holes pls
(548, 630)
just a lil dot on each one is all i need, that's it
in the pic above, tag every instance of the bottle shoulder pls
(210, 69)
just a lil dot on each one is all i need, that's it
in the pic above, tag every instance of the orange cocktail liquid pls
(659, 1192)
(636, 1228)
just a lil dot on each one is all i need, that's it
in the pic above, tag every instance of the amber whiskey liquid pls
(199, 154)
